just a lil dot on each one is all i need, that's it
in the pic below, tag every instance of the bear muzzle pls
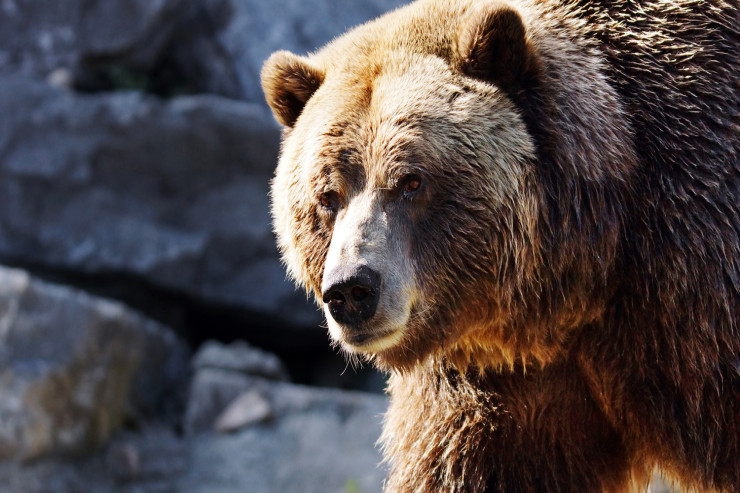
(351, 293)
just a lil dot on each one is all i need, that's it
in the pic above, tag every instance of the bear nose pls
(352, 294)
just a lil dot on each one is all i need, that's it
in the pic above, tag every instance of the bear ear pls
(493, 46)
(289, 81)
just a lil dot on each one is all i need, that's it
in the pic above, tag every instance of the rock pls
(124, 461)
(61, 77)
(173, 194)
(239, 357)
(247, 409)
(38, 38)
(319, 441)
(73, 367)
(211, 391)
(147, 461)
(214, 46)
(222, 394)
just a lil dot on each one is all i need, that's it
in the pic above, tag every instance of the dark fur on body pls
(612, 273)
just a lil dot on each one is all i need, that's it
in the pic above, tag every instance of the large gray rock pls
(324, 440)
(222, 392)
(215, 46)
(239, 357)
(37, 38)
(317, 441)
(74, 367)
(174, 193)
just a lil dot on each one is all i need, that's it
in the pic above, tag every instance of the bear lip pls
(372, 342)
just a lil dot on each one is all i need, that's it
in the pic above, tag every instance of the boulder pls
(211, 392)
(316, 441)
(168, 46)
(74, 367)
(239, 357)
(169, 195)
(39, 38)
(222, 394)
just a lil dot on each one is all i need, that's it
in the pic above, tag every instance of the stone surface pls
(239, 357)
(211, 391)
(324, 440)
(173, 193)
(319, 441)
(214, 46)
(247, 409)
(221, 393)
(39, 37)
(74, 367)
(224, 374)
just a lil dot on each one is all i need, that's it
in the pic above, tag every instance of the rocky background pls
(149, 341)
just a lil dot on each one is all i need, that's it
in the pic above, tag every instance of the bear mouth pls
(372, 341)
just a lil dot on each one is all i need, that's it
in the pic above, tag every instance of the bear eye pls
(411, 185)
(328, 201)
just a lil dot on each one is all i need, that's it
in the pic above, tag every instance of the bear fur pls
(547, 198)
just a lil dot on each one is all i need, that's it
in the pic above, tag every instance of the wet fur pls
(582, 327)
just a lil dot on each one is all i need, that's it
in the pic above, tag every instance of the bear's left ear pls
(492, 45)
(289, 81)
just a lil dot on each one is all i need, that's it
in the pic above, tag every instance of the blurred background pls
(149, 340)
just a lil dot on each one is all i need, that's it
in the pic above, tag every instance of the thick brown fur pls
(569, 271)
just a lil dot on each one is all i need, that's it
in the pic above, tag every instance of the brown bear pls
(529, 213)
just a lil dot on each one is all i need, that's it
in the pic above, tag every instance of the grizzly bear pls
(528, 212)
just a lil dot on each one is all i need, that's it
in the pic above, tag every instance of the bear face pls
(404, 182)
(408, 196)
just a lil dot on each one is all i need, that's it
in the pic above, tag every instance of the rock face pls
(224, 376)
(323, 439)
(39, 38)
(317, 441)
(241, 358)
(173, 193)
(135, 156)
(214, 46)
(74, 367)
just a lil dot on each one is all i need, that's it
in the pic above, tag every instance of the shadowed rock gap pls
(191, 60)
(306, 353)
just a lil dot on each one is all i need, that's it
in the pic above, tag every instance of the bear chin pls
(369, 339)
(370, 344)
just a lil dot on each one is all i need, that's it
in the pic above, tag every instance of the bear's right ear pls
(492, 45)
(289, 81)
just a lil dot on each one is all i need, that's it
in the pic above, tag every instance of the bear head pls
(410, 196)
